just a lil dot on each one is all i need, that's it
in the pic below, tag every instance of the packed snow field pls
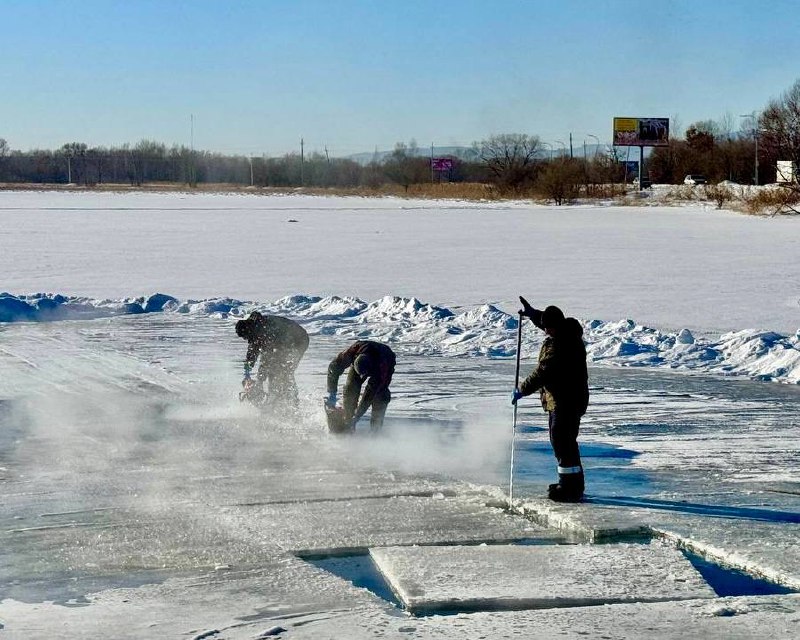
(142, 499)
(664, 267)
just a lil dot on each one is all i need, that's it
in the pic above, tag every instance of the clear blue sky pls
(356, 74)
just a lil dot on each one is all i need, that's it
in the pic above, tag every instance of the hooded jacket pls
(274, 337)
(561, 376)
(383, 361)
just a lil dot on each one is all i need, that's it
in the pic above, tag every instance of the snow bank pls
(41, 307)
(480, 331)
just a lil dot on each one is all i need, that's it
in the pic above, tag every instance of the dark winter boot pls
(569, 488)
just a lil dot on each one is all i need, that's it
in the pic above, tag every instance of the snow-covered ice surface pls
(140, 499)
(669, 268)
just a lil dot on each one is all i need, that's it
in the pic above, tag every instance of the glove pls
(247, 382)
(515, 395)
(527, 309)
(330, 401)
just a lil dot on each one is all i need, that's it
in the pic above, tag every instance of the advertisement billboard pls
(441, 164)
(641, 132)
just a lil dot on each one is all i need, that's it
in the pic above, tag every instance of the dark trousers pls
(278, 369)
(564, 438)
(351, 393)
(379, 406)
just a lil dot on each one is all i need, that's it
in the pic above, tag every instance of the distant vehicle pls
(693, 179)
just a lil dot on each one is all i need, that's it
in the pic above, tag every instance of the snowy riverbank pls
(485, 330)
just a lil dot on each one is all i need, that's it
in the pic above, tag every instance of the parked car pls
(693, 179)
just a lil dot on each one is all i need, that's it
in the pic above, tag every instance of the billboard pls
(441, 164)
(641, 132)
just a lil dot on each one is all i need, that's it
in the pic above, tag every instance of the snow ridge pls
(419, 327)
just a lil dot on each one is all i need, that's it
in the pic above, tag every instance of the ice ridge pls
(484, 330)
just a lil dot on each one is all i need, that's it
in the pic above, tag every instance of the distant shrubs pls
(755, 200)
(560, 181)
(773, 200)
(721, 194)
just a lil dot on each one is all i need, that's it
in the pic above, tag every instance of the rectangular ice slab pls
(510, 577)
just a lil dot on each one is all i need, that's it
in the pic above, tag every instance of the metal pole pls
(755, 139)
(192, 178)
(514, 424)
(755, 135)
(598, 143)
(641, 162)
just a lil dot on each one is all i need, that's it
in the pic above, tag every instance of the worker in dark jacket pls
(369, 361)
(280, 343)
(563, 384)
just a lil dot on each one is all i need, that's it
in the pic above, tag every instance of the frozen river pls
(124, 452)
(139, 497)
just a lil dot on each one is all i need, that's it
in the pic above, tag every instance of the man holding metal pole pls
(563, 384)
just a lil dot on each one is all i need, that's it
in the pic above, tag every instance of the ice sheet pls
(482, 578)
(141, 499)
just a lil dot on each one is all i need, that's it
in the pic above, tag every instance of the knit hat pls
(552, 317)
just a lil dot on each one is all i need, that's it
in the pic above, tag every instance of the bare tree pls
(779, 127)
(725, 126)
(75, 152)
(4, 151)
(511, 159)
(405, 166)
(560, 179)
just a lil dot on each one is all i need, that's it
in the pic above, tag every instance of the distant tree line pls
(510, 164)
(513, 163)
(152, 162)
(719, 152)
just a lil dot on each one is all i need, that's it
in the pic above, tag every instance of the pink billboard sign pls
(441, 164)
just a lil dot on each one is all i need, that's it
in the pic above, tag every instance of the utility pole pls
(755, 135)
(641, 162)
(755, 139)
(570, 145)
(432, 176)
(192, 179)
(301, 160)
(327, 157)
(251, 171)
(598, 143)
(69, 167)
